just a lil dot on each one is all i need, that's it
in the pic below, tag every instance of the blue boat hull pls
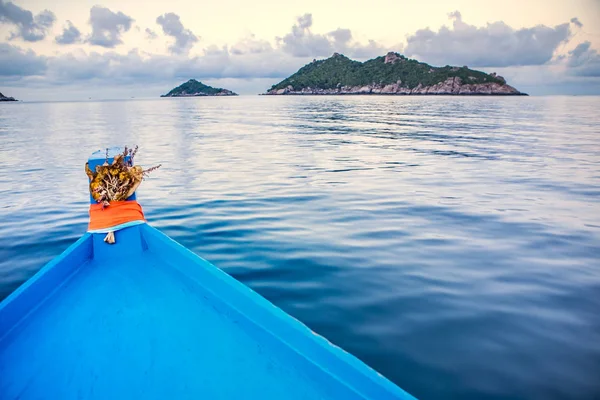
(147, 318)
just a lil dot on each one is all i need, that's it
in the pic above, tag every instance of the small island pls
(392, 74)
(4, 98)
(194, 88)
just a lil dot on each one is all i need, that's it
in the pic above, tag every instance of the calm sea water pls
(451, 243)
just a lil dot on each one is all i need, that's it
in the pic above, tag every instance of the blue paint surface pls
(147, 318)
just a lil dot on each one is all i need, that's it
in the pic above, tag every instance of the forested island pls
(392, 74)
(193, 88)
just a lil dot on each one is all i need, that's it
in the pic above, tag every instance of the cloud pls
(29, 28)
(494, 45)
(218, 63)
(251, 45)
(584, 61)
(576, 22)
(302, 42)
(214, 50)
(111, 69)
(150, 34)
(579, 55)
(70, 35)
(172, 26)
(253, 58)
(108, 26)
(341, 36)
(78, 66)
(548, 79)
(15, 62)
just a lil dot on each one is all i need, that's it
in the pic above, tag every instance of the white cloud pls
(16, 62)
(302, 42)
(150, 34)
(69, 35)
(108, 26)
(172, 26)
(548, 79)
(29, 27)
(576, 22)
(137, 67)
(584, 61)
(251, 45)
(493, 45)
(523, 56)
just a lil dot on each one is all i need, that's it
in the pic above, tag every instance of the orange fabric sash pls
(117, 213)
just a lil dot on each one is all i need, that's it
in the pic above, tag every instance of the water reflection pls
(451, 243)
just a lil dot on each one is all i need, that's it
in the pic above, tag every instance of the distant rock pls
(4, 98)
(391, 58)
(392, 74)
(193, 88)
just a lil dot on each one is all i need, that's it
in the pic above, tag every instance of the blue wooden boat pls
(145, 318)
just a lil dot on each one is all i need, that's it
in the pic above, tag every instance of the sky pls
(69, 50)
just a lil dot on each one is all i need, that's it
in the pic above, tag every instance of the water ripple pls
(451, 243)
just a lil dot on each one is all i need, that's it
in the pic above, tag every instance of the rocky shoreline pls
(4, 98)
(225, 92)
(451, 86)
